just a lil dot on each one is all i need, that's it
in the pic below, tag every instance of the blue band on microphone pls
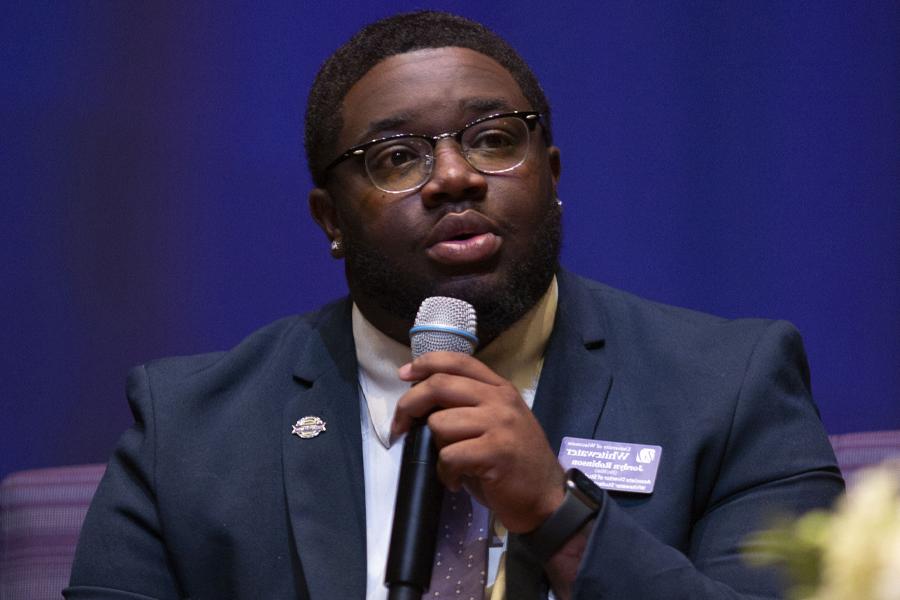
(444, 329)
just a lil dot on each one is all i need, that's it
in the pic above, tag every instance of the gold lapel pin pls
(308, 427)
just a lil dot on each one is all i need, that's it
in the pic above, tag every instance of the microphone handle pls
(416, 515)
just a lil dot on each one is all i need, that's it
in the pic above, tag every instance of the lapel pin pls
(308, 427)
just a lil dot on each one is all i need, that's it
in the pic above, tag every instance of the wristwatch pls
(582, 502)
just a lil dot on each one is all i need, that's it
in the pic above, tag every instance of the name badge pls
(615, 466)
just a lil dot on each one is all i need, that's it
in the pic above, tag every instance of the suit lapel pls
(323, 475)
(574, 385)
(576, 377)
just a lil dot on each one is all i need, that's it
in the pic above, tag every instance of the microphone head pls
(444, 325)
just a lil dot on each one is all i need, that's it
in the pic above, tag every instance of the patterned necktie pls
(460, 560)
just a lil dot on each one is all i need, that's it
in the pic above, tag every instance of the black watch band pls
(582, 502)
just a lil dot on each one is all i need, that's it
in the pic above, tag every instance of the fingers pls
(488, 439)
(521, 483)
(449, 380)
(451, 363)
(472, 440)
(462, 463)
(450, 426)
(438, 391)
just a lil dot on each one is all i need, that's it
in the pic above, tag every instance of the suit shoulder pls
(277, 342)
(681, 334)
(631, 307)
(185, 366)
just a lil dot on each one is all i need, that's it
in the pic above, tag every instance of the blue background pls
(735, 158)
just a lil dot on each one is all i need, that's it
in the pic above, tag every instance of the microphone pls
(442, 324)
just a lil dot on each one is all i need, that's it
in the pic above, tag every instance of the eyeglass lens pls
(491, 146)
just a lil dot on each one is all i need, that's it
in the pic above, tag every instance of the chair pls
(41, 512)
(856, 451)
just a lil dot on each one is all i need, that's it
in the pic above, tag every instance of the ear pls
(323, 210)
(555, 164)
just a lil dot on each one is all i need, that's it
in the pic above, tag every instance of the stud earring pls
(337, 248)
(558, 202)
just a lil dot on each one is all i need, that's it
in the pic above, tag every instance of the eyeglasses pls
(404, 162)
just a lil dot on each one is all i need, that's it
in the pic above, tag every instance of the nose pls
(453, 179)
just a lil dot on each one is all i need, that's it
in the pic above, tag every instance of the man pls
(430, 144)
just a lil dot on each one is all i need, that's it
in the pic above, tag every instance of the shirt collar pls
(517, 355)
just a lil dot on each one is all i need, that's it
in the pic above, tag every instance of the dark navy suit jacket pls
(209, 496)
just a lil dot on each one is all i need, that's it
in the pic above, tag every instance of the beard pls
(498, 305)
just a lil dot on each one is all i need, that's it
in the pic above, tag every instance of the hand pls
(488, 439)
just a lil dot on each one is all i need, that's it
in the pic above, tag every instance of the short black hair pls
(397, 35)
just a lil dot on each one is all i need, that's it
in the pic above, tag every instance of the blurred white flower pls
(852, 553)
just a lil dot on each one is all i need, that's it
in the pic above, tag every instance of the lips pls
(463, 238)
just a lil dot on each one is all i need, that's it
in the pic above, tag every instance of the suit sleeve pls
(776, 459)
(121, 553)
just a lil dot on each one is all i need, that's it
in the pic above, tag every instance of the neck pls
(393, 326)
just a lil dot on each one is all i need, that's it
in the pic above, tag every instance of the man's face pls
(491, 239)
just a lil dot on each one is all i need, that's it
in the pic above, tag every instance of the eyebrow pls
(484, 104)
(396, 122)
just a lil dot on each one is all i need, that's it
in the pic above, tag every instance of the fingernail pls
(405, 371)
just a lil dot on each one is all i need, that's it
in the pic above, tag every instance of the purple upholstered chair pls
(41, 512)
(856, 451)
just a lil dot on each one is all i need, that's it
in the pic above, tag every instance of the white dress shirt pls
(517, 355)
